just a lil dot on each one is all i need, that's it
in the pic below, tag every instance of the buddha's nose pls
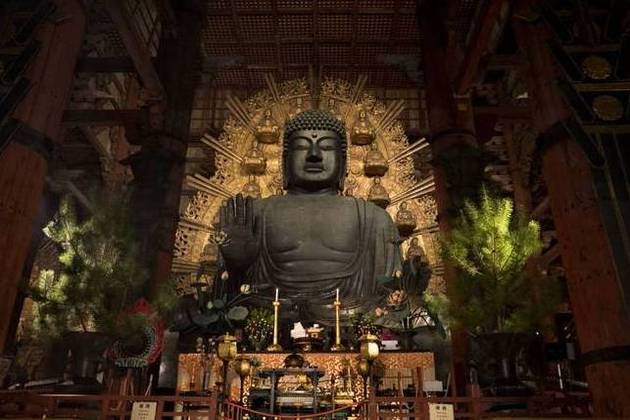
(314, 153)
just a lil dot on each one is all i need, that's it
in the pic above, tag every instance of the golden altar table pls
(194, 367)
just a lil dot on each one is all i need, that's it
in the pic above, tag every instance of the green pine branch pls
(490, 245)
(101, 271)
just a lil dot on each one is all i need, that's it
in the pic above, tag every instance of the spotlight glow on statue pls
(312, 240)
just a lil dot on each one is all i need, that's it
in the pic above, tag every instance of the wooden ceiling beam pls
(101, 117)
(487, 29)
(138, 52)
(105, 65)
(504, 111)
(505, 62)
(309, 11)
(276, 34)
(309, 40)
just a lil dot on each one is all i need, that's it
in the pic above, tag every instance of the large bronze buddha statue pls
(312, 240)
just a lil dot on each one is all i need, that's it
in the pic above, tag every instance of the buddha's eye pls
(301, 144)
(327, 144)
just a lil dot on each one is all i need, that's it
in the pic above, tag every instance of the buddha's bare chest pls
(310, 228)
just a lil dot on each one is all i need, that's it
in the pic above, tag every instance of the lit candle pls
(337, 294)
(276, 294)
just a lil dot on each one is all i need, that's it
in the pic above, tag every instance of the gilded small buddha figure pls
(405, 220)
(351, 185)
(415, 251)
(267, 132)
(255, 162)
(297, 108)
(332, 108)
(363, 133)
(378, 194)
(251, 188)
(375, 162)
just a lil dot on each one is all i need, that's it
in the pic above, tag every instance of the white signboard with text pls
(441, 412)
(142, 410)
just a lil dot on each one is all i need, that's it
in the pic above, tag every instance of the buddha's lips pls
(314, 168)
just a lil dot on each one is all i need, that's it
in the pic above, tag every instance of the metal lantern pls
(369, 352)
(369, 347)
(243, 368)
(363, 367)
(226, 348)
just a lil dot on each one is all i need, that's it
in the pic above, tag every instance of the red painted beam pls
(486, 31)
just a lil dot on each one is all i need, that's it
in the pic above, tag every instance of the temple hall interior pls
(322, 209)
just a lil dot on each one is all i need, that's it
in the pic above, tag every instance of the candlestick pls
(275, 346)
(338, 346)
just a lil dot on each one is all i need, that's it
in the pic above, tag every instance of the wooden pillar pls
(23, 163)
(519, 143)
(456, 157)
(159, 167)
(594, 289)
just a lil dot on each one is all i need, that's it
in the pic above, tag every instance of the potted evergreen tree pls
(86, 304)
(495, 297)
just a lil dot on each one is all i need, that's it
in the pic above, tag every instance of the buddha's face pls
(314, 162)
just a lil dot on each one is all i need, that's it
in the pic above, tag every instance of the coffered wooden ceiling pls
(244, 39)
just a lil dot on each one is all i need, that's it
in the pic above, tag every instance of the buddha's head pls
(314, 153)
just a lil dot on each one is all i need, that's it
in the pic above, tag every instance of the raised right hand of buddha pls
(236, 223)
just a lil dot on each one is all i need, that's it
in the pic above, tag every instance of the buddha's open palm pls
(237, 241)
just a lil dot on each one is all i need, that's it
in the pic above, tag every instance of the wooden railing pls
(106, 407)
(233, 411)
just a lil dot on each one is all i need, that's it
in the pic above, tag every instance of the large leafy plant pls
(101, 272)
(490, 247)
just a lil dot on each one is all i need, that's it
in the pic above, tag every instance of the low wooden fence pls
(111, 407)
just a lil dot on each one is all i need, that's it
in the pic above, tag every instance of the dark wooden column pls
(594, 288)
(23, 163)
(159, 167)
(456, 158)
